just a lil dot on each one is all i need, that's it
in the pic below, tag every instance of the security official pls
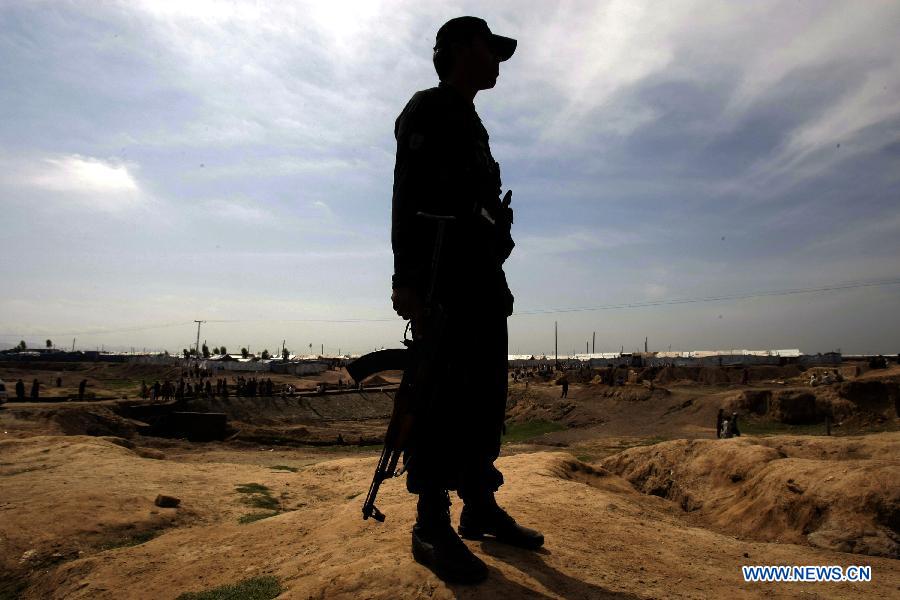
(444, 166)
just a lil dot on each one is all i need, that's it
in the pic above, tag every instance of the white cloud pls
(92, 183)
(831, 36)
(84, 175)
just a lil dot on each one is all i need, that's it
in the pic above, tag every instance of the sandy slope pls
(604, 539)
(836, 493)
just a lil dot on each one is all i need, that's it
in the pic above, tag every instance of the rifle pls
(417, 387)
(394, 359)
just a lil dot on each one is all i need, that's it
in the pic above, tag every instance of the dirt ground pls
(633, 493)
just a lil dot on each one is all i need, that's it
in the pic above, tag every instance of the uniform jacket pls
(444, 166)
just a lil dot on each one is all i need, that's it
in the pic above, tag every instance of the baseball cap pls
(465, 28)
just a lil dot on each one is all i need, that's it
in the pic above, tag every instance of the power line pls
(742, 296)
(624, 305)
(537, 311)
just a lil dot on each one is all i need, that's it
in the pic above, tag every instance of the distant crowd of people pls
(36, 389)
(193, 384)
(206, 387)
(825, 378)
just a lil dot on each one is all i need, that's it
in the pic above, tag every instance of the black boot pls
(481, 516)
(436, 545)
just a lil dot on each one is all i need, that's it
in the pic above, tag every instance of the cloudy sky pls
(163, 161)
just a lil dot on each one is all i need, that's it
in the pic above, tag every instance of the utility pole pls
(645, 344)
(556, 341)
(73, 344)
(594, 344)
(198, 335)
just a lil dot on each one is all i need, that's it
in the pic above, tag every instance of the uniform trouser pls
(457, 438)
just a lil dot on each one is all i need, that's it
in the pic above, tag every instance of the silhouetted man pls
(20, 390)
(81, 387)
(720, 419)
(444, 166)
(35, 390)
(565, 388)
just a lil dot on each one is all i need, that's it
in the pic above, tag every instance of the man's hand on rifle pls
(409, 305)
(507, 209)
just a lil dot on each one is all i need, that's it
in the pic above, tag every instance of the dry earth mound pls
(587, 405)
(67, 419)
(835, 493)
(353, 417)
(719, 375)
(64, 496)
(864, 399)
(592, 410)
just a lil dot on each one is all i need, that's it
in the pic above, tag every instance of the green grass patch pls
(257, 588)
(519, 432)
(257, 516)
(262, 501)
(284, 468)
(252, 488)
(259, 496)
(131, 540)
